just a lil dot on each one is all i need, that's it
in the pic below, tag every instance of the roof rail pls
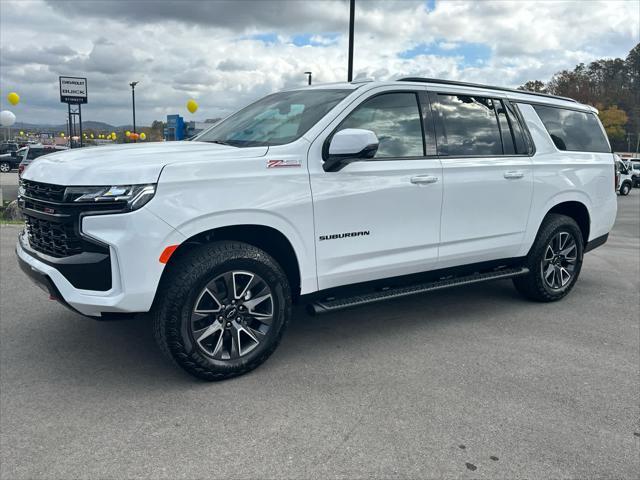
(478, 85)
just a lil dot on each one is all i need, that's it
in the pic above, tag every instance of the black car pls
(9, 161)
(8, 147)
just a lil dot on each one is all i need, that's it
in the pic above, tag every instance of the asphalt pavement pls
(472, 382)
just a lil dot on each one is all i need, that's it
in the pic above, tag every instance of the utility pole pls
(352, 11)
(133, 102)
(308, 74)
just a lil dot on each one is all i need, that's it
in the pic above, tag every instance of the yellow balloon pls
(127, 133)
(192, 106)
(13, 98)
(21, 132)
(62, 134)
(113, 135)
(92, 135)
(143, 136)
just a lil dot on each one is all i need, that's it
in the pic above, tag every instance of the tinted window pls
(274, 120)
(513, 140)
(572, 130)
(469, 124)
(508, 140)
(395, 119)
(522, 146)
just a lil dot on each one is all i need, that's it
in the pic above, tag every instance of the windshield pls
(274, 120)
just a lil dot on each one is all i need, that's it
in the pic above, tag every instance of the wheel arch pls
(267, 238)
(576, 210)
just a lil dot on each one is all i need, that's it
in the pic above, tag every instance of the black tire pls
(625, 188)
(5, 167)
(183, 286)
(533, 285)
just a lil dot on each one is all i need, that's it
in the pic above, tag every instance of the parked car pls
(9, 161)
(8, 147)
(635, 171)
(624, 181)
(331, 196)
(29, 153)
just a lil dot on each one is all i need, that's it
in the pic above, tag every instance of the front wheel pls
(5, 167)
(222, 309)
(554, 261)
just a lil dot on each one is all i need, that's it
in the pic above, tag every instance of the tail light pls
(20, 170)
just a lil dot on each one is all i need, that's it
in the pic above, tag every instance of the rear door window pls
(572, 130)
(469, 126)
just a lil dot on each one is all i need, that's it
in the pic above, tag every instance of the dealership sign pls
(73, 90)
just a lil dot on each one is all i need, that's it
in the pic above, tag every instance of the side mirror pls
(350, 145)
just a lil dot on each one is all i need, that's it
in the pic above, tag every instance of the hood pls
(126, 164)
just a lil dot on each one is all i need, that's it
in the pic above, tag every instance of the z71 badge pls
(283, 163)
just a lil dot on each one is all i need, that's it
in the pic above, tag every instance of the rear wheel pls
(554, 261)
(5, 167)
(222, 309)
(625, 188)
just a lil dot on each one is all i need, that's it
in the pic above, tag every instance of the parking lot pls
(469, 382)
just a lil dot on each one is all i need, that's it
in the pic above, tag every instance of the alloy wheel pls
(5, 168)
(560, 259)
(232, 315)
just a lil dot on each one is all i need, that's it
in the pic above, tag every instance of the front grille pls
(53, 224)
(53, 235)
(43, 191)
(58, 239)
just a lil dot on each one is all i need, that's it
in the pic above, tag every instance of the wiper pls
(222, 142)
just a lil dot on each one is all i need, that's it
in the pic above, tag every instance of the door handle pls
(423, 179)
(513, 174)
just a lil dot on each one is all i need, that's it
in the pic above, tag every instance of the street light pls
(308, 74)
(133, 101)
(352, 8)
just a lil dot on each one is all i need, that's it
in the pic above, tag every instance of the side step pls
(332, 304)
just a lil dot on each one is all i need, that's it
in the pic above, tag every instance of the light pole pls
(308, 74)
(352, 8)
(133, 102)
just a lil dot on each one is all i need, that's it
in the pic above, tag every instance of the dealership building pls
(178, 129)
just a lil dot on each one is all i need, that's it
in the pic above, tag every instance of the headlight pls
(136, 196)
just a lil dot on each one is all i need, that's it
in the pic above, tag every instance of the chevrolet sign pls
(73, 90)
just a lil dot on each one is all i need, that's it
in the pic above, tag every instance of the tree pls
(612, 84)
(157, 131)
(613, 119)
(533, 86)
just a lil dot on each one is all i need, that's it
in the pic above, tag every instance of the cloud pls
(228, 53)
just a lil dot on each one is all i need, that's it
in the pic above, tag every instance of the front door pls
(379, 217)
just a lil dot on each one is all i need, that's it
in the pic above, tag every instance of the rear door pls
(380, 217)
(487, 176)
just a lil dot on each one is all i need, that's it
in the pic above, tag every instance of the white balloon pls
(7, 118)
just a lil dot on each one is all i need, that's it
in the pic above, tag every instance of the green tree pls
(534, 86)
(613, 119)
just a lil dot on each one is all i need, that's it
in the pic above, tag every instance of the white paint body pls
(476, 209)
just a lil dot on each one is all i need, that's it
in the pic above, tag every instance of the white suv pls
(387, 188)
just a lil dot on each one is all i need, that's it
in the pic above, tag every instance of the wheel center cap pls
(231, 312)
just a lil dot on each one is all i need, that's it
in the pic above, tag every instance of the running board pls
(332, 304)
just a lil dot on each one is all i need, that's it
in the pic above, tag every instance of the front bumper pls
(135, 241)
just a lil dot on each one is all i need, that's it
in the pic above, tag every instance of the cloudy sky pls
(225, 54)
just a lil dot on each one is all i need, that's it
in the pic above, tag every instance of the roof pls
(511, 93)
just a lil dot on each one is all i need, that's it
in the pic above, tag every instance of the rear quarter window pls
(572, 130)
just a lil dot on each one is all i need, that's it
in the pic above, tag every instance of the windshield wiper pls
(222, 142)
